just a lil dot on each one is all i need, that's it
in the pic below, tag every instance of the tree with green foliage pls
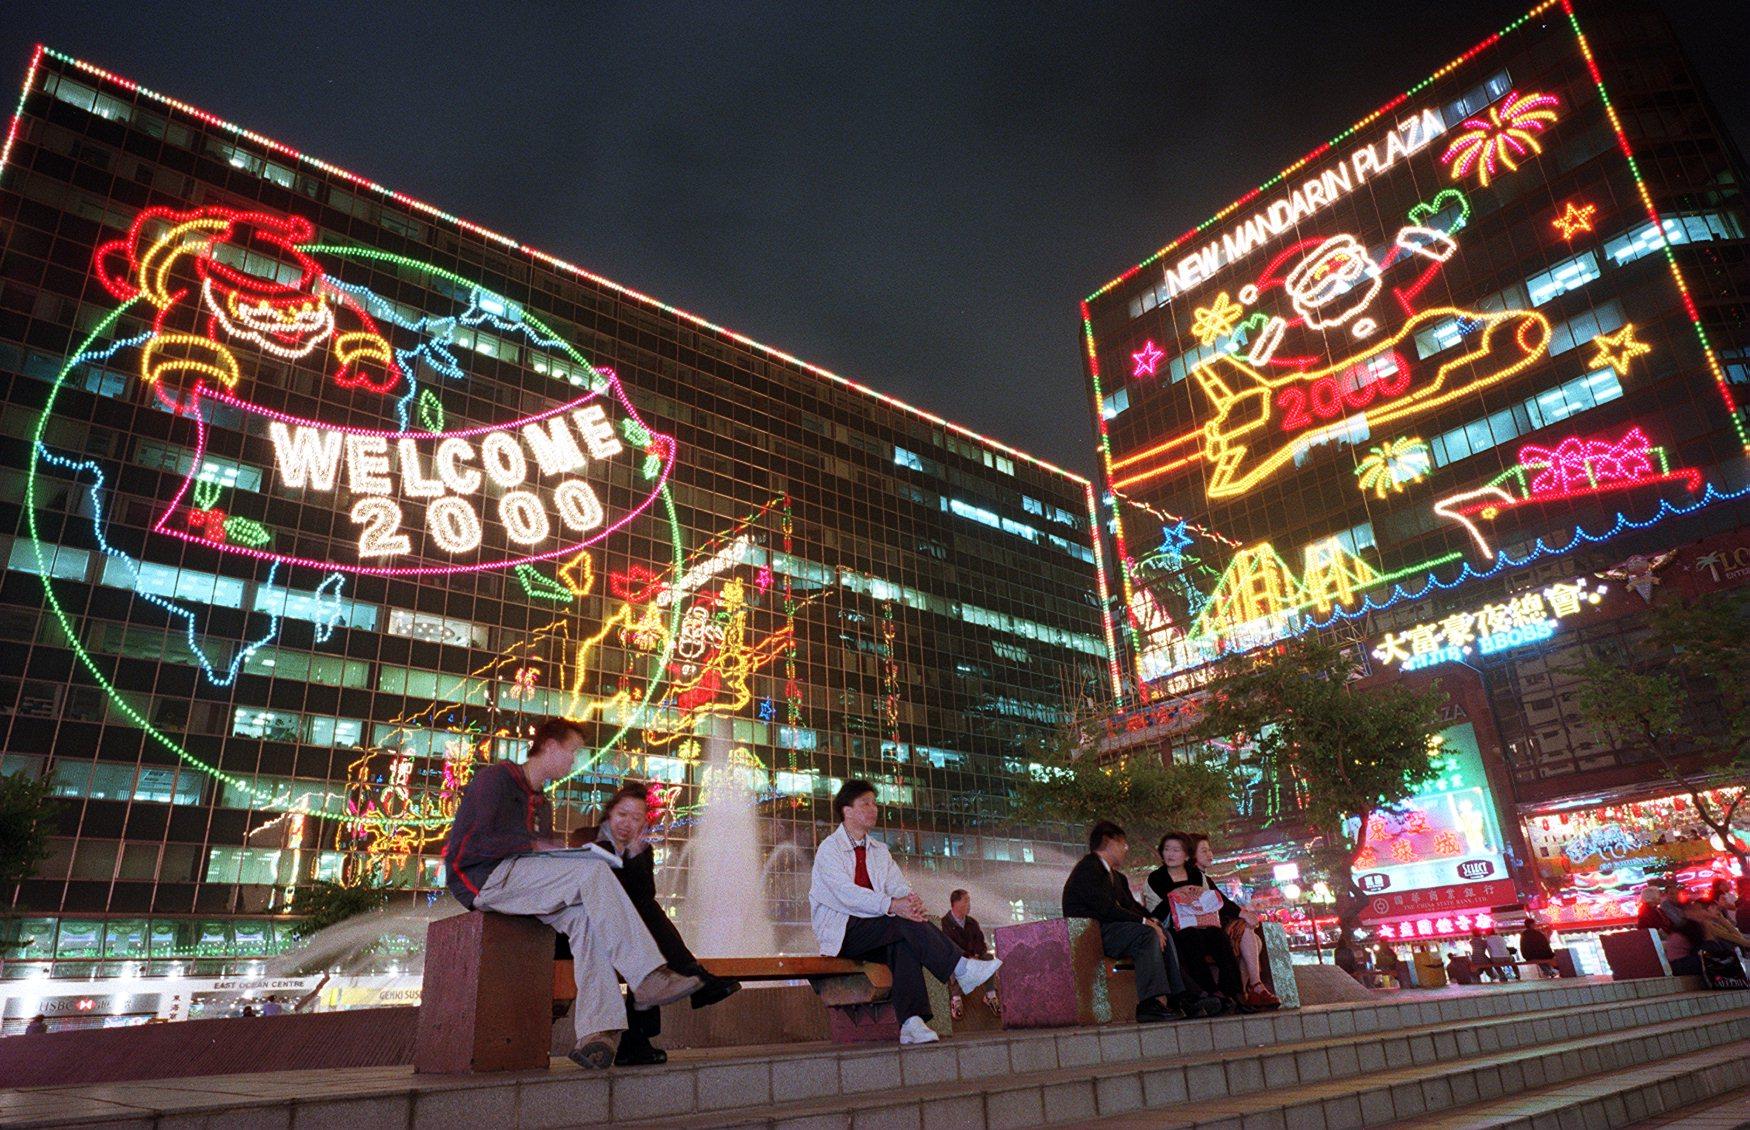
(1142, 792)
(1355, 752)
(323, 904)
(1697, 652)
(25, 816)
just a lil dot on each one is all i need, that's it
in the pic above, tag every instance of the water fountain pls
(724, 912)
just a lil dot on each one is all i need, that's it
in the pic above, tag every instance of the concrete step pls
(1700, 1090)
(997, 1079)
(1326, 1076)
(1730, 1111)
(725, 1083)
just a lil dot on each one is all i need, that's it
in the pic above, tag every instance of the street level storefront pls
(1594, 859)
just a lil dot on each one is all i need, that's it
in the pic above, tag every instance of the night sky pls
(914, 196)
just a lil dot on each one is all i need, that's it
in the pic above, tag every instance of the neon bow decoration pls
(1576, 467)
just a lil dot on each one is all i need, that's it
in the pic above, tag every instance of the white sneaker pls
(917, 1032)
(973, 972)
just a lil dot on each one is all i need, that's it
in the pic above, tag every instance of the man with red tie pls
(864, 909)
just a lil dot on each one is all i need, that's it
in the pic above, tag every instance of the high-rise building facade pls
(1464, 385)
(314, 497)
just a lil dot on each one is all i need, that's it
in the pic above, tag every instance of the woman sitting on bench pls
(622, 832)
(1241, 924)
(1192, 912)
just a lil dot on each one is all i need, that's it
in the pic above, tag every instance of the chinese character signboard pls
(1441, 850)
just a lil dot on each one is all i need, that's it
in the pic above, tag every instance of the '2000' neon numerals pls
(1303, 404)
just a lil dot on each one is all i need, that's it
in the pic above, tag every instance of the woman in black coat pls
(622, 832)
(1193, 912)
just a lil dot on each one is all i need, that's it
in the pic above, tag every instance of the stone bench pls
(855, 993)
(1635, 954)
(1056, 975)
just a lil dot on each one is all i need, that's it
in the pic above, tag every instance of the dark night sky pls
(914, 196)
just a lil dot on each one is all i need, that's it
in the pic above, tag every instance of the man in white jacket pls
(863, 908)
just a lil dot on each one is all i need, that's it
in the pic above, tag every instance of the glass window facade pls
(313, 500)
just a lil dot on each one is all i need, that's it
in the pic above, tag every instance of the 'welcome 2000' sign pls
(425, 500)
(229, 320)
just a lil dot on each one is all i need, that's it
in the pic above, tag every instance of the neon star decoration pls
(1575, 219)
(1618, 350)
(1392, 465)
(1147, 359)
(1209, 324)
(1174, 540)
(1502, 137)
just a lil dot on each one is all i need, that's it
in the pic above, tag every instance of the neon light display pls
(1575, 218)
(1392, 465)
(1576, 467)
(1258, 399)
(1500, 626)
(1502, 138)
(1442, 849)
(1147, 359)
(1594, 860)
(1317, 343)
(218, 339)
(1618, 350)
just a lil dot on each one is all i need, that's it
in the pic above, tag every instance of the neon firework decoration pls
(1390, 466)
(1576, 467)
(1501, 138)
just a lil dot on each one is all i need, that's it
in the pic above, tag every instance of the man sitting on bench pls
(864, 909)
(1098, 889)
(502, 856)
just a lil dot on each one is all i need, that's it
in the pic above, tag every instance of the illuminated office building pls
(314, 497)
(1464, 385)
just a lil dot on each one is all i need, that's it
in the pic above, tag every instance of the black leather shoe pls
(716, 989)
(1155, 1014)
(634, 1055)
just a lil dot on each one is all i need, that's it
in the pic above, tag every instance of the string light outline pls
(504, 241)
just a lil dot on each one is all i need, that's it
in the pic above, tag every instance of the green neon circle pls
(266, 803)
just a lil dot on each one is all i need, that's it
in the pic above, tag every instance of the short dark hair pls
(1185, 842)
(958, 894)
(628, 790)
(1102, 831)
(848, 793)
(554, 730)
